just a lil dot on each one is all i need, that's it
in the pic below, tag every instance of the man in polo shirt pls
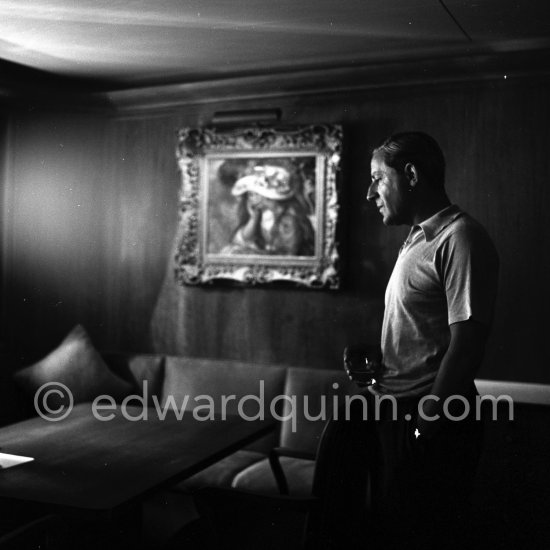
(438, 310)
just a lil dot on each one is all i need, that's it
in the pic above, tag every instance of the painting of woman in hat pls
(272, 214)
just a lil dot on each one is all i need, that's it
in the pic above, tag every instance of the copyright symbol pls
(53, 401)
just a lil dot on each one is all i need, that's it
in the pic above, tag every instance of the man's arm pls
(456, 373)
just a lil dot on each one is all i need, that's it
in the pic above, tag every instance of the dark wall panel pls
(91, 223)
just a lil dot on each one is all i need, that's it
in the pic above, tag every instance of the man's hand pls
(456, 373)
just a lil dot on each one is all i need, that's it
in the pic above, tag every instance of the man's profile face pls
(389, 190)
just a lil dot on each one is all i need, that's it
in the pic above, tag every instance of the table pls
(84, 463)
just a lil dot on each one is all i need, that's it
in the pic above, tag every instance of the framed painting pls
(259, 205)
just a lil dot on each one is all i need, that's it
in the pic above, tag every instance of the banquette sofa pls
(512, 495)
(299, 398)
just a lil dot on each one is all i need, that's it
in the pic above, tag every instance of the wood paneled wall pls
(90, 222)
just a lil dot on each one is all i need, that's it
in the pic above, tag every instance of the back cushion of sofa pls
(312, 396)
(224, 385)
(229, 385)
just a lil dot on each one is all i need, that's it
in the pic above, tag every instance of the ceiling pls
(118, 44)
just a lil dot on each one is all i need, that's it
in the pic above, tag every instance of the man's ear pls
(411, 173)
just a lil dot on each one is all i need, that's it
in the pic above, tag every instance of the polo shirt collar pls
(439, 221)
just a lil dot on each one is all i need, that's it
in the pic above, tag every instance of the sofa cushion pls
(79, 366)
(259, 477)
(229, 387)
(222, 473)
(315, 392)
(194, 378)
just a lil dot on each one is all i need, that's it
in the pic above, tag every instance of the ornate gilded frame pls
(211, 158)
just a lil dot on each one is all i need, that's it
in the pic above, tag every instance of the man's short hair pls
(417, 148)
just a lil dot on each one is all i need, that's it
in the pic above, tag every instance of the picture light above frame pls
(259, 205)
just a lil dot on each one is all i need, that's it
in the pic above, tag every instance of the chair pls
(334, 515)
(275, 456)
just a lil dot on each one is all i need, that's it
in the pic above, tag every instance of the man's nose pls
(372, 191)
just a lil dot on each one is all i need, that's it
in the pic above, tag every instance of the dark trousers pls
(423, 493)
(418, 493)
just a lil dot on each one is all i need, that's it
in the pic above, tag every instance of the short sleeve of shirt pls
(468, 267)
